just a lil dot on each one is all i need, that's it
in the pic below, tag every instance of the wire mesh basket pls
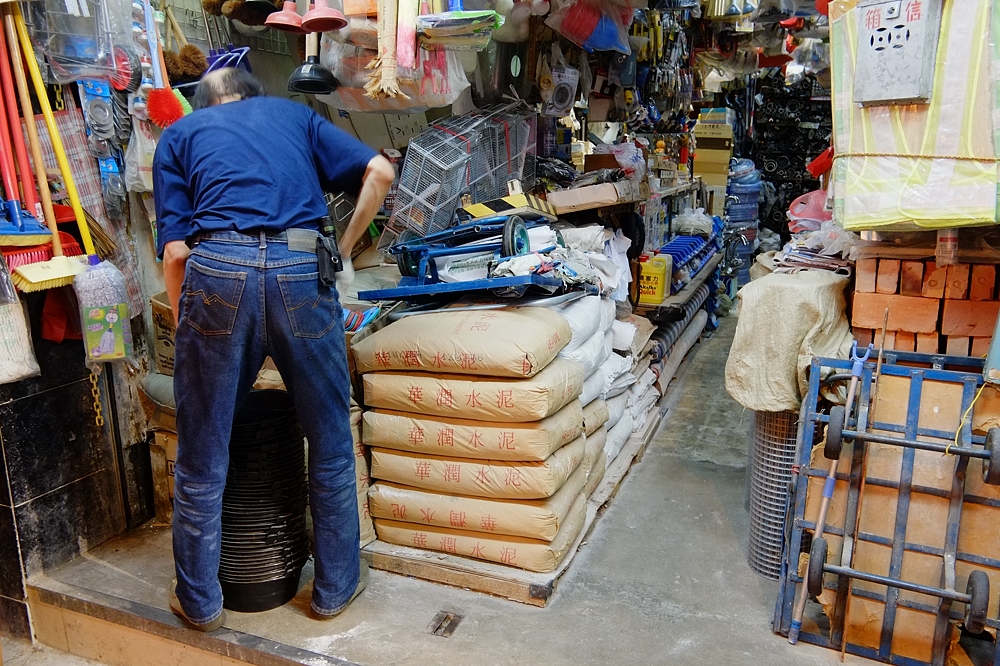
(769, 471)
(474, 154)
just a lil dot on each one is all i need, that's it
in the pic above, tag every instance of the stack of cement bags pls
(477, 435)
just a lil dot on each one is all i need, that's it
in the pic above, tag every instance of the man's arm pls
(375, 185)
(175, 256)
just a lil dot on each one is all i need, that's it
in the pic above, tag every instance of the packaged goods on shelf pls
(530, 554)
(513, 342)
(477, 398)
(461, 438)
(532, 519)
(480, 478)
(595, 414)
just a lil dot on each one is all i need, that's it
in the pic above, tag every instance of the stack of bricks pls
(932, 309)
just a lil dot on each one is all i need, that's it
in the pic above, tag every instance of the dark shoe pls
(175, 606)
(362, 584)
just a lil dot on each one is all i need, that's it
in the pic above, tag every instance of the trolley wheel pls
(991, 466)
(407, 264)
(834, 433)
(515, 237)
(975, 611)
(817, 558)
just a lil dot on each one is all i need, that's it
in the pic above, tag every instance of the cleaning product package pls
(107, 333)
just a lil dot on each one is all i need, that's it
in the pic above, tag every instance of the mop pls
(58, 270)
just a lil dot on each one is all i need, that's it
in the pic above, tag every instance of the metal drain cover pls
(444, 624)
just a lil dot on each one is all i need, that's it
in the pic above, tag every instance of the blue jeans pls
(246, 298)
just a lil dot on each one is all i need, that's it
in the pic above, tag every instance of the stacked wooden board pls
(932, 309)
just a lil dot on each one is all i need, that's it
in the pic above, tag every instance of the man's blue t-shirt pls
(259, 164)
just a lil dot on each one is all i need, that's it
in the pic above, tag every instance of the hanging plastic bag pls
(628, 156)
(347, 62)
(593, 25)
(107, 332)
(139, 158)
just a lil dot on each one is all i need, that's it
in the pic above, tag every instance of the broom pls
(50, 122)
(57, 270)
(164, 104)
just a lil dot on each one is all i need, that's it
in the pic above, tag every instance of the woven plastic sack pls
(590, 354)
(584, 316)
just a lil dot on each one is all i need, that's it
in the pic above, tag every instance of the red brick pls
(957, 284)
(981, 283)
(971, 318)
(934, 280)
(981, 347)
(911, 278)
(887, 277)
(909, 314)
(863, 336)
(957, 345)
(889, 342)
(905, 341)
(864, 275)
(927, 343)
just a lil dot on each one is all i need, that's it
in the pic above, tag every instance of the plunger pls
(323, 18)
(312, 77)
(287, 19)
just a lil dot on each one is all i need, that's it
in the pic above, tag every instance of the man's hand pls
(345, 278)
(375, 184)
(175, 256)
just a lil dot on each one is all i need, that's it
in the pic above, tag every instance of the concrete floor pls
(22, 653)
(662, 579)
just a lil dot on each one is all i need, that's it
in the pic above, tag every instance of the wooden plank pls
(864, 275)
(969, 318)
(957, 283)
(981, 346)
(934, 280)
(511, 583)
(887, 277)
(927, 343)
(906, 313)
(981, 282)
(911, 278)
(957, 345)
(905, 342)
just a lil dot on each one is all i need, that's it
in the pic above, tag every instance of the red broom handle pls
(10, 100)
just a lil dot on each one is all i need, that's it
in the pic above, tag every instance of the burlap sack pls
(513, 342)
(596, 474)
(530, 554)
(480, 478)
(533, 519)
(477, 398)
(595, 415)
(535, 440)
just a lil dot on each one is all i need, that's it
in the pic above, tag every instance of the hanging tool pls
(839, 418)
(57, 144)
(59, 270)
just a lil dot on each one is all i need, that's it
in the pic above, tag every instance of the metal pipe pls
(916, 444)
(942, 593)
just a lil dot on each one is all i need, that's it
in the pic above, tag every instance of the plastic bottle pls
(946, 252)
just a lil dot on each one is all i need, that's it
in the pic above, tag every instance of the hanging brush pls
(164, 107)
(193, 62)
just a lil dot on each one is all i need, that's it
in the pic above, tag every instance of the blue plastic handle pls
(859, 361)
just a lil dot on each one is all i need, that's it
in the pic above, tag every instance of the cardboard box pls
(713, 131)
(163, 334)
(717, 116)
(718, 206)
(596, 161)
(168, 442)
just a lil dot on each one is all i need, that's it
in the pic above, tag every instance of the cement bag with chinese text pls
(514, 342)
(533, 519)
(596, 474)
(461, 438)
(595, 414)
(530, 554)
(477, 398)
(480, 478)
(594, 447)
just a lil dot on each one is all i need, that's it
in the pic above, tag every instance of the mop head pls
(56, 272)
(213, 7)
(193, 61)
(164, 108)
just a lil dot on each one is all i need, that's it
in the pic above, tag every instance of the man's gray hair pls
(226, 82)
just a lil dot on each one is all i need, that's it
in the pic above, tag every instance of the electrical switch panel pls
(897, 46)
